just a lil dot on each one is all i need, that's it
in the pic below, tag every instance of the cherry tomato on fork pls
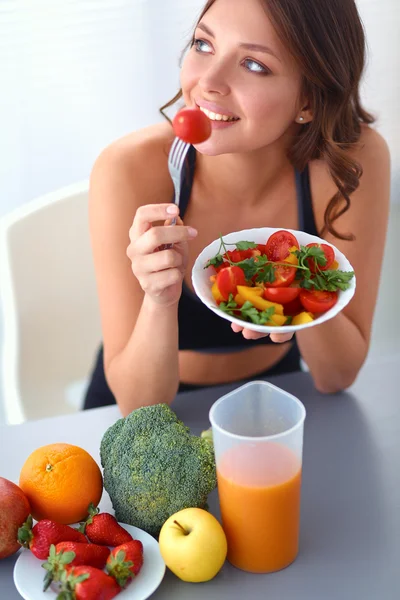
(191, 125)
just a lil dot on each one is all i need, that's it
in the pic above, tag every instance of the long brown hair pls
(326, 38)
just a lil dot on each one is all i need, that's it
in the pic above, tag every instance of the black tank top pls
(200, 328)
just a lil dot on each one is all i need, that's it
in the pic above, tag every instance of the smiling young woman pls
(291, 147)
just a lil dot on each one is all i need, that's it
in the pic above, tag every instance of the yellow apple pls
(193, 545)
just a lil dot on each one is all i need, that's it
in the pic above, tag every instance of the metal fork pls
(176, 159)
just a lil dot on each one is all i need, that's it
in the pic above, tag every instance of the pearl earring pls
(301, 119)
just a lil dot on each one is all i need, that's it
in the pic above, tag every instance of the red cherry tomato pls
(224, 265)
(316, 301)
(329, 255)
(238, 255)
(284, 276)
(278, 244)
(293, 308)
(228, 279)
(262, 248)
(235, 255)
(191, 125)
(281, 295)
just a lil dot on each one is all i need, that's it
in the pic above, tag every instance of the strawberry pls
(73, 554)
(87, 583)
(104, 529)
(39, 538)
(125, 561)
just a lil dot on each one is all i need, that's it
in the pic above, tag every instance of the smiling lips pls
(217, 116)
(218, 119)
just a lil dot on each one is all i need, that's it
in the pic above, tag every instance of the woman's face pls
(238, 68)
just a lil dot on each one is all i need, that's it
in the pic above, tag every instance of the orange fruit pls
(60, 481)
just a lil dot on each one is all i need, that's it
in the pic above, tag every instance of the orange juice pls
(259, 495)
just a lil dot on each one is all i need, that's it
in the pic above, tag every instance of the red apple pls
(14, 510)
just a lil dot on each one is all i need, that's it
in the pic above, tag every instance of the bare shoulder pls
(372, 154)
(135, 165)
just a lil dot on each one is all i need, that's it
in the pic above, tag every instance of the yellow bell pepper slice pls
(334, 266)
(292, 258)
(239, 300)
(216, 293)
(278, 320)
(303, 317)
(248, 294)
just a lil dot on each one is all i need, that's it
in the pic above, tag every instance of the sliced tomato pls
(191, 125)
(282, 295)
(278, 245)
(228, 279)
(329, 255)
(316, 301)
(284, 276)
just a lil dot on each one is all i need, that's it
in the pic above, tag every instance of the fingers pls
(280, 338)
(157, 261)
(158, 236)
(249, 334)
(151, 213)
(155, 284)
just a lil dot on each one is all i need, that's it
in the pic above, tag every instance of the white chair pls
(50, 309)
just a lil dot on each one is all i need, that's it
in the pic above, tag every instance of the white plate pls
(202, 285)
(29, 574)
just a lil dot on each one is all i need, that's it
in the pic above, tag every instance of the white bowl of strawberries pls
(104, 558)
(273, 280)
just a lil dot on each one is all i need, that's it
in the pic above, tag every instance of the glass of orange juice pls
(258, 442)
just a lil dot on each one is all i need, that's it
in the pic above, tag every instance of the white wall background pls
(76, 74)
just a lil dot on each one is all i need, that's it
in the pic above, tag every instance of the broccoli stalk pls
(154, 467)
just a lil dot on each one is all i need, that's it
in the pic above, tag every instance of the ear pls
(305, 115)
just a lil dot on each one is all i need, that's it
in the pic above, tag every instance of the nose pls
(215, 79)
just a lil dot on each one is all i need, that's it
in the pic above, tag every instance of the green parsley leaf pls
(266, 274)
(216, 261)
(245, 245)
(249, 267)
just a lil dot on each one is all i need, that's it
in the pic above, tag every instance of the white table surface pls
(350, 516)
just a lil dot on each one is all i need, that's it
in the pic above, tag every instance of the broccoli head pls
(153, 467)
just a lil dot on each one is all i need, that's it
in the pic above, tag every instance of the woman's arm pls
(140, 334)
(335, 351)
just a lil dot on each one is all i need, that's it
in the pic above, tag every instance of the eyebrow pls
(254, 47)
